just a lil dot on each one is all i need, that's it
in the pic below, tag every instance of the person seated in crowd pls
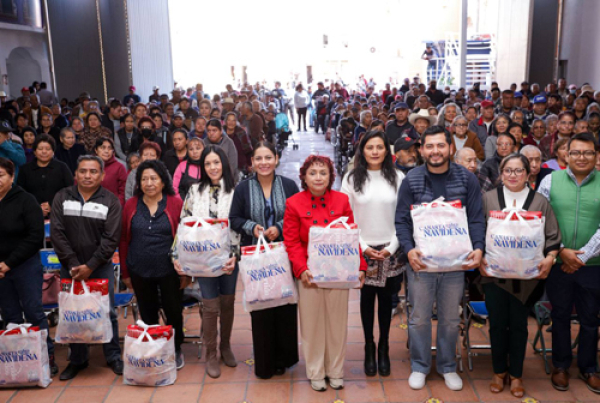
(115, 175)
(517, 131)
(536, 172)
(467, 157)
(69, 151)
(581, 126)
(594, 125)
(462, 137)
(178, 122)
(366, 118)
(133, 160)
(28, 134)
(127, 137)
(22, 121)
(447, 114)
(172, 158)
(394, 129)
(538, 132)
(147, 133)
(560, 157)
(21, 272)
(188, 171)
(148, 151)
(489, 171)
(60, 120)
(93, 131)
(35, 111)
(199, 128)
(509, 302)
(406, 150)
(420, 122)
(242, 143)
(47, 127)
(45, 176)
(131, 98)
(149, 225)
(563, 130)
(215, 136)
(499, 125)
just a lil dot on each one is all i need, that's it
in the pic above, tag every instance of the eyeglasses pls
(516, 171)
(589, 154)
(461, 125)
(566, 123)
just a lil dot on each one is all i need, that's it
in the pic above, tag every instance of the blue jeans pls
(423, 290)
(80, 353)
(212, 287)
(21, 294)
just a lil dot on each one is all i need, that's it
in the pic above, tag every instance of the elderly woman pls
(323, 312)
(148, 151)
(258, 206)
(372, 188)
(211, 198)
(93, 131)
(366, 118)
(564, 130)
(510, 301)
(489, 172)
(499, 125)
(21, 273)
(463, 137)
(447, 114)
(45, 176)
(150, 221)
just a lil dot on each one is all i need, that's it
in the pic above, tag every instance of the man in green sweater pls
(574, 194)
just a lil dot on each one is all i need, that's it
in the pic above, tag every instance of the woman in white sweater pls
(211, 198)
(301, 101)
(372, 187)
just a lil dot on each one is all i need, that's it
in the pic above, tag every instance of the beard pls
(443, 161)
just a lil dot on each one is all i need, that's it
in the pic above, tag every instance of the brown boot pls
(592, 381)
(210, 315)
(227, 313)
(560, 379)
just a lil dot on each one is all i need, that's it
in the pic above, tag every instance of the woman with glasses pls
(463, 137)
(509, 301)
(258, 207)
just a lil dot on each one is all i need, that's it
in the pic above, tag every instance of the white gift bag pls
(83, 318)
(334, 255)
(24, 357)
(149, 355)
(267, 276)
(514, 243)
(441, 233)
(203, 246)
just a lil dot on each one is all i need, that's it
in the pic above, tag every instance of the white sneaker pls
(453, 381)
(416, 380)
(319, 385)
(336, 384)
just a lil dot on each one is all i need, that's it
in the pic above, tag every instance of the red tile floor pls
(99, 384)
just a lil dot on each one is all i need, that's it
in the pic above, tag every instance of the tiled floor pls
(99, 384)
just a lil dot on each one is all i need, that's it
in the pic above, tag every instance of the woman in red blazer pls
(150, 221)
(323, 312)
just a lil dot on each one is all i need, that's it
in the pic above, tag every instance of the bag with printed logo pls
(84, 315)
(334, 255)
(24, 356)
(441, 233)
(203, 246)
(267, 276)
(149, 355)
(514, 243)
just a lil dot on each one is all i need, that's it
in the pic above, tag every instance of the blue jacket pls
(460, 185)
(13, 152)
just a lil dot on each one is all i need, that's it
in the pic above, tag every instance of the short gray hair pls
(89, 157)
(65, 130)
(459, 153)
(551, 117)
(530, 147)
(363, 114)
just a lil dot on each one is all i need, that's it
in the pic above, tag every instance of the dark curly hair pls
(158, 167)
(317, 159)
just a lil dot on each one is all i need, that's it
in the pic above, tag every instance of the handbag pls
(50, 288)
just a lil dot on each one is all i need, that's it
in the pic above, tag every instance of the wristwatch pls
(554, 257)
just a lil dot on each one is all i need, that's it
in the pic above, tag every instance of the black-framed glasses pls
(589, 154)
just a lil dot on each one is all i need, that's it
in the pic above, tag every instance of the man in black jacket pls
(85, 231)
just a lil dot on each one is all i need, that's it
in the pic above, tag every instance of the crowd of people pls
(124, 174)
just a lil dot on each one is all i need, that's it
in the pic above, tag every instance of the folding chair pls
(123, 299)
(50, 264)
(543, 310)
(474, 309)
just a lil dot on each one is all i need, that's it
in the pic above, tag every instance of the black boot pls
(384, 358)
(370, 363)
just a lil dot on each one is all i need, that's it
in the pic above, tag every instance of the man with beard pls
(406, 152)
(439, 177)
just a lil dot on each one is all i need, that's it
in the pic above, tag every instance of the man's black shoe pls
(72, 370)
(53, 366)
(116, 366)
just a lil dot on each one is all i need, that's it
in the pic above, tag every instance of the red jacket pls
(173, 211)
(115, 178)
(302, 211)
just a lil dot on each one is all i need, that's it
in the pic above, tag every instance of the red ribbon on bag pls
(95, 285)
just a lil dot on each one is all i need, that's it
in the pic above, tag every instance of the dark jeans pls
(397, 287)
(80, 353)
(212, 287)
(161, 292)
(582, 289)
(21, 294)
(321, 123)
(384, 309)
(508, 330)
(301, 117)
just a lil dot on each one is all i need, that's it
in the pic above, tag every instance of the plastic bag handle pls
(341, 220)
(261, 242)
(146, 327)
(22, 327)
(86, 290)
(440, 202)
(513, 212)
(200, 220)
